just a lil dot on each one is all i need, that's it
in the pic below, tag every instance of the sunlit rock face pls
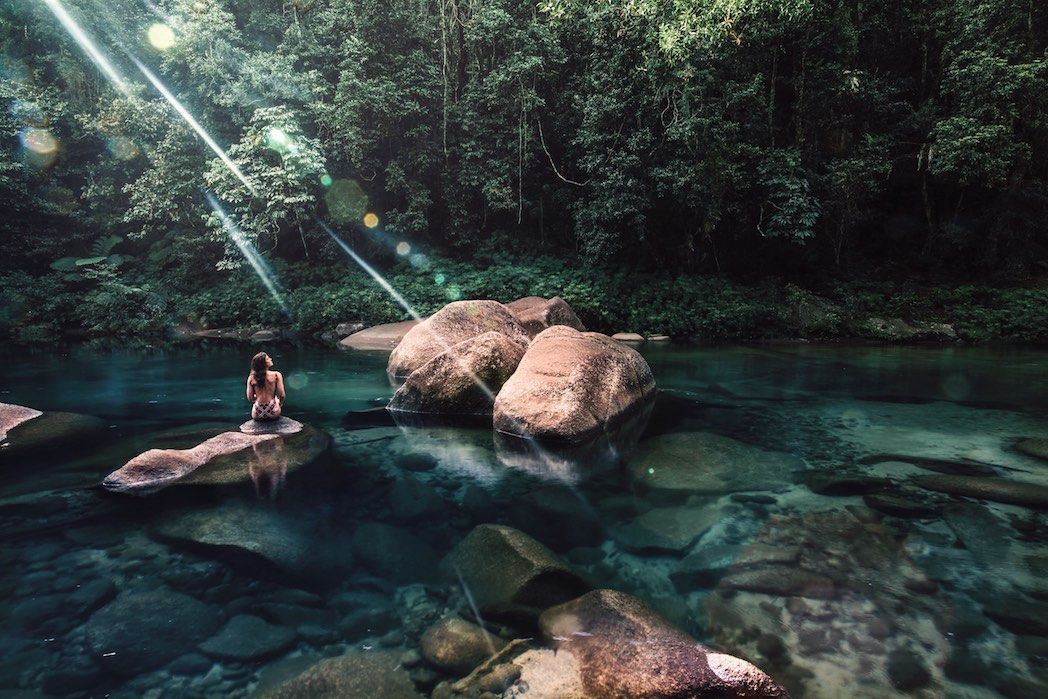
(462, 379)
(536, 314)
(623, 648)
(25, 429)
(226, 458)
(509, 574)
(449, 326)
(570, 386)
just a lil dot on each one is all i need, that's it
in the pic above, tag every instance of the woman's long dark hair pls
(258, 368)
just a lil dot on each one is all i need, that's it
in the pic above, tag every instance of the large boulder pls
(379, 337)
(571, 386)
(625, 649)
(449, 326)
(461, 380)
(511, 575)
(140, 631)
(25, 429)
(227, 458)
(374, 673)
(536, 313)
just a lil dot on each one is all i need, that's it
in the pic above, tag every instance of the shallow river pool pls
(822, 511)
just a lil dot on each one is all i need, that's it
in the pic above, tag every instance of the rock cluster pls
(529, 363)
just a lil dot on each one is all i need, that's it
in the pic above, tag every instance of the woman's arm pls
(280, 387)
(250, 389)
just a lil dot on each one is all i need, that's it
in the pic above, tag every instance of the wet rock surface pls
(227, 458)
(282, 425)
(142, 630)
(624, 648)
(359, 673)
(510, 574)
(570, 386)
(248, 638)
(992, 489)
(458, 646)
(25, 430)
(683, 463)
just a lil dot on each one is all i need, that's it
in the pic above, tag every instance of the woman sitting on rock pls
(265, 388)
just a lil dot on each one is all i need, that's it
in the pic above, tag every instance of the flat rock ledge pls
(12, 416)
(282, 425)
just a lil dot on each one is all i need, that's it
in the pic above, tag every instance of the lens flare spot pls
(419, 260)
(39, 147)
(326, 180)
(161, 36)
(346, 201)
(403, 248)
(439, 278)
(122, 148)
(370, 219)
(297, 380)
(39, 141)
(277, 140)
(956, 387)
(454, 293)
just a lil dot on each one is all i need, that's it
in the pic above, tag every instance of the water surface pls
(768, 553)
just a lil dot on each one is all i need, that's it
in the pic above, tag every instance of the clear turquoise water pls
(913, 597)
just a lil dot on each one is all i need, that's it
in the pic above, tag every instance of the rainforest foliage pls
(821, 142)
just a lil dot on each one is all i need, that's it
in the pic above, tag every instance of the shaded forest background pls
(678, 166)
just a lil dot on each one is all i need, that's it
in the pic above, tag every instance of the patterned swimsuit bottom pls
(266, 411)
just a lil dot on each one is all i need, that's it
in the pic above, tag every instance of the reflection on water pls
(267, 467)
(771, 503)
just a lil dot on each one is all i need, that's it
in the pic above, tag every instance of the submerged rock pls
(248, 638)
(462, 379)
(898, 505)
(624, 648)
(667, 528)
(230, 457)
(536, 314)
(1019, 615)
(682, 463)
(375, 674)
(257, 538)
(993, 489)
(1034, 446)
(571, 386)
(140, 630)
(780, 581)
(379, 337)
(458, 646)
(449, 326)
(393, 552)
(25, 429)
(510, 574)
